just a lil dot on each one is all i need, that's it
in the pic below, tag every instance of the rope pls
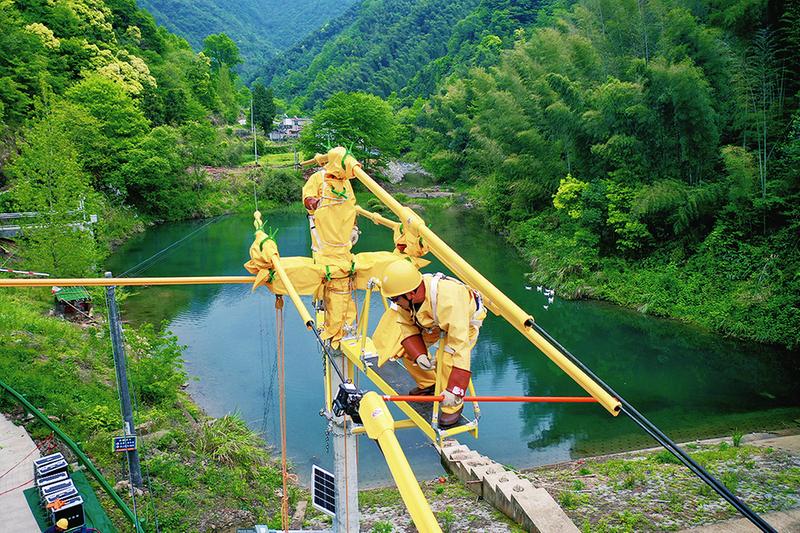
(15, 488)
(282, 380)
(36, 447)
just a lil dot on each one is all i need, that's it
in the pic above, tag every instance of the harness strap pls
(477, 316)
(315, 240)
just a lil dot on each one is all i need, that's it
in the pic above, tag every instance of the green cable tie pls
(271, 234)
(328, 272)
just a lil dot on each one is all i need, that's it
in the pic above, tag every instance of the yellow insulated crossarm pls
(496, 300)
(290, 289)
(142, 282)
(379, 425)
(126, 282)
(376, 218)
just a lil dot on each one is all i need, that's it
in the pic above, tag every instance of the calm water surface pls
(687, 381)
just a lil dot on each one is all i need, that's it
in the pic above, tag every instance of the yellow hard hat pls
(399, 278)
(62, 523)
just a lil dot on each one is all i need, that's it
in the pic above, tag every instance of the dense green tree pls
(117, 126)
(222, 51)
(363, 122)
(399, 46)
(47, 178)
(263, 107)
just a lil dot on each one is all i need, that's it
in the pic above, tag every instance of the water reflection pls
(689, 382)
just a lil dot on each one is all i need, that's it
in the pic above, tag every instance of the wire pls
(327, 353)
(142, 447)
(36, 448)
(662, 439)
(171, 246)
(15, 488)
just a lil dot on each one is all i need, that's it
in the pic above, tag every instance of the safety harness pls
(476, 320)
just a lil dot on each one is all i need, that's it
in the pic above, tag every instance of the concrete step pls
(533, 508)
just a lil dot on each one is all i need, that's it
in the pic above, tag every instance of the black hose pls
(663, 440)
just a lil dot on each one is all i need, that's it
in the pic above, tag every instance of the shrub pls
(229, 441)
(281, 185)
(156, 367)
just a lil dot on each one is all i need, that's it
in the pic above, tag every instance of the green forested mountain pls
(260, 28)
(101, 107)
(645, 152)
(398, 46)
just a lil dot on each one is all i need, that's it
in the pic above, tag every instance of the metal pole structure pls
(122, 381)
(345, 464)
(253, 127)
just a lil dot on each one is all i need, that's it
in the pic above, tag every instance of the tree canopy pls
(363, 122)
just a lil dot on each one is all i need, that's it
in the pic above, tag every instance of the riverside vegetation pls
(100, 107)
(203, 473)
(640, 152)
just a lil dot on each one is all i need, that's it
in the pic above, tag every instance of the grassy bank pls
(455, 508)
(652, 491)
(204, 473)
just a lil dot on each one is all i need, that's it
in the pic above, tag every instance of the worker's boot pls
(426, 391)
(448, 420)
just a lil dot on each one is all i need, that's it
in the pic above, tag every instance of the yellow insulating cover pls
(334, 217)
(340, 309)
(387, 337)
(414, 245)
(341, 163)
(261, 253)
(371, 264)
(305, 275)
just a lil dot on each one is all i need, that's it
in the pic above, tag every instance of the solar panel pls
(323, 495)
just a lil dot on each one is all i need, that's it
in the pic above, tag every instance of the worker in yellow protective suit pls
(430, 307)
(331, 204)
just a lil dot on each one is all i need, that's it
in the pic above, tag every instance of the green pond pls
(689, 382)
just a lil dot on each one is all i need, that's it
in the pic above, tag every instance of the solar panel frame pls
(323, 491)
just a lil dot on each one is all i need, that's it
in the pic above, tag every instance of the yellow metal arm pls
(380, 426)
(123, 282)
(287, 282)
(376, 218)
(498, 302)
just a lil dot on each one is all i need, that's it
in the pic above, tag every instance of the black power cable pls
(662, 439)
(313, 328)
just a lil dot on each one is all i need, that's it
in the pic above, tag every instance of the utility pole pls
(118, 349)
(253, 128)
(345, 460)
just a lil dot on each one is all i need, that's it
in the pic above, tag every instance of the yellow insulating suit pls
(331, 205)
(452, 308)
(332, 212)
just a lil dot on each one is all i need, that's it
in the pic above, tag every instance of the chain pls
(328, 438)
